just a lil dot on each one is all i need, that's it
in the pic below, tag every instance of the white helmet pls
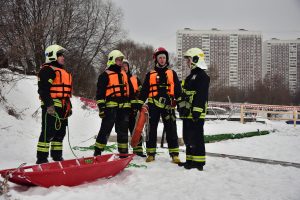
(51, 52)
(112, 57)
(197, 56)
(126, 61)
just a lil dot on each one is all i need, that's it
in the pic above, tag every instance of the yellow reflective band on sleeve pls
(198, 158)
(99, 145)
(123, 145)
(190, 93)
(189, 157)
(50, 81)
(100, 101)
(151, 150)
(197, 109)
(174, 150)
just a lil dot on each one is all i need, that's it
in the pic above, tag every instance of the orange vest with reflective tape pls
(62, 84)
(153, 91)
(115, 87)
(134, 82)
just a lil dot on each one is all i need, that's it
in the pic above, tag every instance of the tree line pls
(89, 30)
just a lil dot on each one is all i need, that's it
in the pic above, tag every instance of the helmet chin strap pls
(160, 66)
(193, 66)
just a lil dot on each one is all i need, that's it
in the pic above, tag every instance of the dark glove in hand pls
(101, 108)
(183, 112)
(101, 114)
(196, 116)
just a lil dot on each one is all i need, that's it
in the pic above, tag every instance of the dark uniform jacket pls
(102, 83)
(162, 91)
(198, 81)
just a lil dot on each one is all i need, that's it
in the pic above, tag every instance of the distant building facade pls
(281, 60)
(235, 55)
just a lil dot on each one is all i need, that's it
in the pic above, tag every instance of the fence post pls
(242, 114)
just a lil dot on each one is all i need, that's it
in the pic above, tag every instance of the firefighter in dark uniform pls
(192, 107)
(113, 95)
(55, 90)
(161, 87)
(136, 84)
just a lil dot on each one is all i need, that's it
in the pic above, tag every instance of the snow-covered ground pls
(222, 178)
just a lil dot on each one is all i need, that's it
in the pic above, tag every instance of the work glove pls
(51, 110)
(196, 116)
(102, 113)
(182, 108)
(183, 112)
(101, 108)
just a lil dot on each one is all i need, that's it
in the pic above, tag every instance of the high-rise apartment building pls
(281, 61)
(235, 55)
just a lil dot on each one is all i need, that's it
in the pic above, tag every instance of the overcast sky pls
(155, 22)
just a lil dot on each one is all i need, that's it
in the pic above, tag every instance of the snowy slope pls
(222, 178)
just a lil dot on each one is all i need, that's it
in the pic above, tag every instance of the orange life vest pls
(134, 82)
(62, 84)
(117, 86)
(153, 91)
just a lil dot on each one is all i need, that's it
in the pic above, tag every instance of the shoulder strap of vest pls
(48, 65)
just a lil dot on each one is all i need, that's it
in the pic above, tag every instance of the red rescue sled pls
(141, 118)
(69, 172)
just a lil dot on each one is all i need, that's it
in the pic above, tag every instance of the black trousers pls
(169, 121)
(120, 118)
(52, 133)
(193, 136)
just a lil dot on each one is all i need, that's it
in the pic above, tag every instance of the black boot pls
(42, 160)
(97, 152)
(58, 158)
(183, 164)
(140, 154)
(194, 165)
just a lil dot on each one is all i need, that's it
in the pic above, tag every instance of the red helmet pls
(160, 50)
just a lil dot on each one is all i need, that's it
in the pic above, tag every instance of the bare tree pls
(86, 28)
(139, 55)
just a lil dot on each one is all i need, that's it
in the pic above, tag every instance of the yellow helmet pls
(197, 56)
(51, 52)
(112, 57)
